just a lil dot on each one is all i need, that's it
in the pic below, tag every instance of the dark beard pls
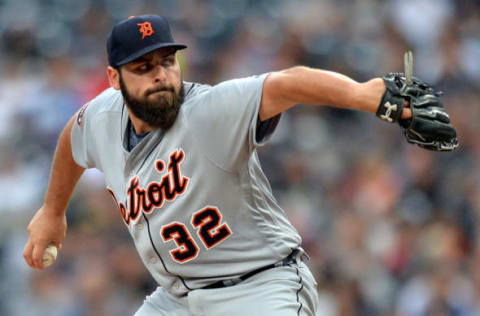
(161, 112)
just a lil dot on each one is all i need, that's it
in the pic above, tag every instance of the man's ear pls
(113, 77)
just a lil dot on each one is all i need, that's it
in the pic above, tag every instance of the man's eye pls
(143, 68)
(169, 61)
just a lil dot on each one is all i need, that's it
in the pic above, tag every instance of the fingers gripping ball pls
(49, 255)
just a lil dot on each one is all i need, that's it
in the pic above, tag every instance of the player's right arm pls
(49, 224)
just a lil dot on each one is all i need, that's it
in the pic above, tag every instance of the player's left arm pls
(303, 85)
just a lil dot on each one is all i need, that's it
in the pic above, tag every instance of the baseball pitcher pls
(180, 160)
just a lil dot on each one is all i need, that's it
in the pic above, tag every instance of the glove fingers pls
(427, 100)
(433, 129)
(433, 113)
(442, 116)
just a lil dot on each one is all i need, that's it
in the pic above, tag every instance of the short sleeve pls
(224, 121)
(80, 137)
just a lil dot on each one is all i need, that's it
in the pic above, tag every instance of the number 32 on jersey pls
(207, 222)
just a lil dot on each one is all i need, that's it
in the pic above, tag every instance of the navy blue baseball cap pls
(137, 36)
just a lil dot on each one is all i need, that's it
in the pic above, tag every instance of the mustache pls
(159, 89)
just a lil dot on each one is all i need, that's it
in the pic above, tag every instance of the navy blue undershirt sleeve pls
(266, 127)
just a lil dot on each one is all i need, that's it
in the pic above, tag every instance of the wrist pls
(369, 94)
(53, 209)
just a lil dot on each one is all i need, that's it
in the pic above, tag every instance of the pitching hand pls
(44, 228)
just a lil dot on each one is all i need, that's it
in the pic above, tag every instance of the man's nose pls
(160, 74)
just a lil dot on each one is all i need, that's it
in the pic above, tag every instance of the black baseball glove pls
(429, 127)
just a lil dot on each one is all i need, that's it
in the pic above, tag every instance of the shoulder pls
(195, 94)
(205, 103)
(108, 101)
(233, 87)
(194, 89)
(245, 81)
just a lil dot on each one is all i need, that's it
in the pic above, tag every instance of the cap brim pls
(149, 49)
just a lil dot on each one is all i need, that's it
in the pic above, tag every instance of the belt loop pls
(303, 256)
(291, 258)
(298, 255)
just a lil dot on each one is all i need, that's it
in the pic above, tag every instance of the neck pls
(139, 126)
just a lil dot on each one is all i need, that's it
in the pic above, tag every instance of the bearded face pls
(158, 106)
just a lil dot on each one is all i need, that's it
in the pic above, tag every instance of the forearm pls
(315, 86)
(319, 87)
(64, 175)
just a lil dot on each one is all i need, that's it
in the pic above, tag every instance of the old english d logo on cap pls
(146, 29)
(137, 36)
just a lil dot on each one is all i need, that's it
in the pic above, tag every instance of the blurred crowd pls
(391, 229)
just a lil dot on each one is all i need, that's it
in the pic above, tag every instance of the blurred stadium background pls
(391, 229)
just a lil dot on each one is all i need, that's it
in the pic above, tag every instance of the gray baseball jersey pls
(194, 199)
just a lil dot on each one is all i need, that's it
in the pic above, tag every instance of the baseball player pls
(180, 160)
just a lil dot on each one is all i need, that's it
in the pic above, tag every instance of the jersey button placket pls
(153, 260)
(139, 226)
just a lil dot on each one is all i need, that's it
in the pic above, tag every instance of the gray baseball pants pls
(281, 291)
